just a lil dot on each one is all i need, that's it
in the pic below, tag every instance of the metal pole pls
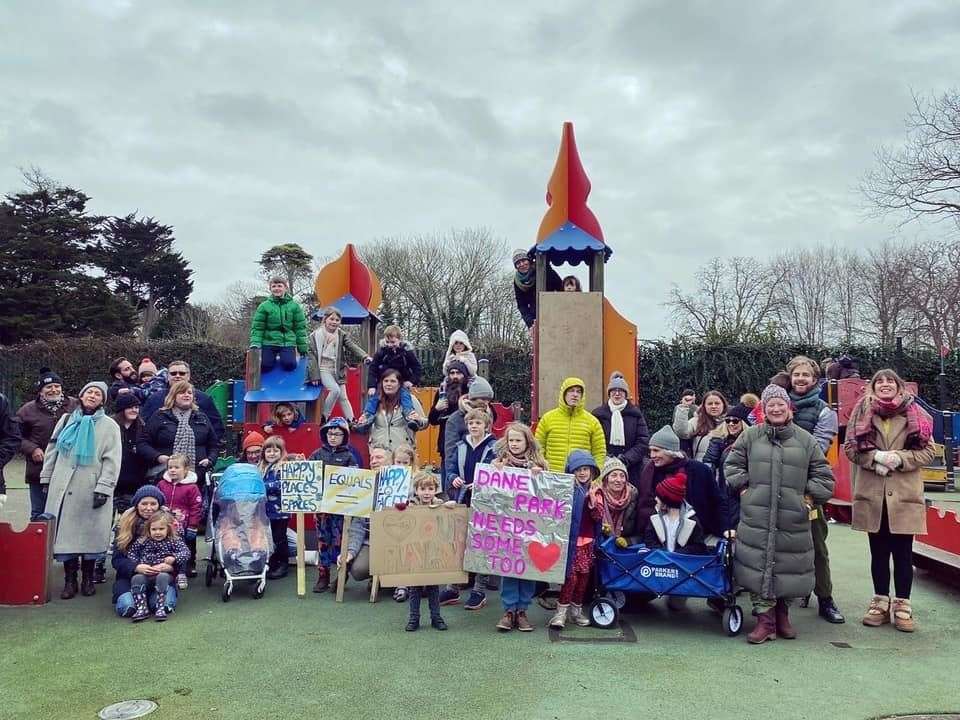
(947, 426)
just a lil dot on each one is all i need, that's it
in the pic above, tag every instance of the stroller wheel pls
(208, 575)
(258, 590)
(733, 620)
(619, 598)
(226, 593)
(604, 612)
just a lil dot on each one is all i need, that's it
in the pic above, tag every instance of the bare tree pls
(807, 291)
(922, 179)
(886, 292)
(847, 302)
(733, 300)
(435, 284)
(934, 284)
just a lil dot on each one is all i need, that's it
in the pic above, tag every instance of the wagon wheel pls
(604, 612)
(733, 620)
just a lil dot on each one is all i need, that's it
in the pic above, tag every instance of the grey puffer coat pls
(775, 467)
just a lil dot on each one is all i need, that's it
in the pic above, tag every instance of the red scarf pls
(614, 506)
(919, 422)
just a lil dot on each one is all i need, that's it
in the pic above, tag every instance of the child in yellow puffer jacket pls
(570, 426)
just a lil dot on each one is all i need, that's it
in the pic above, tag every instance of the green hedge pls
(667, 368)
(80, 360)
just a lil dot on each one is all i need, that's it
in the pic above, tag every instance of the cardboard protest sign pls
(301, 486)
(519, 524)
(419, 545)
(347, 491)
(393, 486)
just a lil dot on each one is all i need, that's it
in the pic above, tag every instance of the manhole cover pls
(127, 710)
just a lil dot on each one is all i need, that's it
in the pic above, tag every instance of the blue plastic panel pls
(278, 384)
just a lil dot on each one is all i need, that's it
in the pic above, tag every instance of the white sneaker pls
(559, 618)
(182, 581)
(576, 614)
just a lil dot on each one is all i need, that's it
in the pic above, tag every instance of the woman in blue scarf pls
(80, 468)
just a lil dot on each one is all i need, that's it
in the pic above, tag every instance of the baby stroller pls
(242, 542)
(657, 573)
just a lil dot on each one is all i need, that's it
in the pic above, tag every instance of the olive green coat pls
(775, 467)
(902, 489)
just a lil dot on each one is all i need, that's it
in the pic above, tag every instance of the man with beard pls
(446, 404)
(37, 420)
(125, 380)
(812, 413)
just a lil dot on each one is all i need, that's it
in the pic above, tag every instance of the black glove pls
(99, 499)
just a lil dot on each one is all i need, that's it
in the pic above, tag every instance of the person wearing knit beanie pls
(776, 405)
(151, 491)
(673, 489)
(480, 389)
(739, 412)
(518, 255)
(251, 447)
(665, 439)
(147, 367)
(48, 377)
(126, 401)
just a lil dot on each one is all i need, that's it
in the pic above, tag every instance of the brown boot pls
(782, 615)
(323, 580)
(523, 625)
(506, 622)
(903, 615)
(69, 579)
(87, 588)
(766, 628)
(879, 611)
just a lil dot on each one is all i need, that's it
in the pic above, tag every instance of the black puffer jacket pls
(401, 358)
(157, 439)
(636, 434)
(9, 437)
(133, 468)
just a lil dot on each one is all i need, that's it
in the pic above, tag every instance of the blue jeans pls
(269, 354)
(406, 403)
(38, 500)
(517, 594)
(125, 601)
(433, 600)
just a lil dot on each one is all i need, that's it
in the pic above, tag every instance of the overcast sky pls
(706, 128)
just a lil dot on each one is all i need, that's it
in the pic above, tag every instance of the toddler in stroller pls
(242, 542)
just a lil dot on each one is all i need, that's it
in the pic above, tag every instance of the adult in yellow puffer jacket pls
(570, 427)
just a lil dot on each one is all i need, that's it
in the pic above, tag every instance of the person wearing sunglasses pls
(179, 370)
(735, 422)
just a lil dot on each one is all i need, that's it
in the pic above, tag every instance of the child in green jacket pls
(279, 328)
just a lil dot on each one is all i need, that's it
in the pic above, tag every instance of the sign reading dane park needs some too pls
(519, 524)
(348, 491)
(419, 545)
(301, 486)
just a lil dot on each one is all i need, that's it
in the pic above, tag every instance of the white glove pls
(881, 470)
(880, 457)
(3, 500)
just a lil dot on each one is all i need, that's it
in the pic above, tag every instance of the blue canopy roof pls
(572, 245)
(352, 310)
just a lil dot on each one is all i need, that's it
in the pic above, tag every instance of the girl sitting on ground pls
(162, 550)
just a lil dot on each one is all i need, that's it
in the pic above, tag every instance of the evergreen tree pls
(47, 266)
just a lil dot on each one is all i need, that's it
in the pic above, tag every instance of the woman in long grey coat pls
(781, 473)
(80, 468)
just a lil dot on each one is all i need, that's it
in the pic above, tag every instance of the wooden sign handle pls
(342, 570)
(301, 565)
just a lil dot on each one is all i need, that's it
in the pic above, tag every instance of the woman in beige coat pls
(80, 466)
(889, 439)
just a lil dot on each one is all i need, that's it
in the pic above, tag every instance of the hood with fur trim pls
(459, 336)
(190, 479)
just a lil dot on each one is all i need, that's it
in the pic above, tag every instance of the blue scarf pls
(77, 436)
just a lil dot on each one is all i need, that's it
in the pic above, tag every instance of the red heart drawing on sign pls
(543, 556)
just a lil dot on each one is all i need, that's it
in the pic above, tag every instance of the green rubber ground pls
(284, 657)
